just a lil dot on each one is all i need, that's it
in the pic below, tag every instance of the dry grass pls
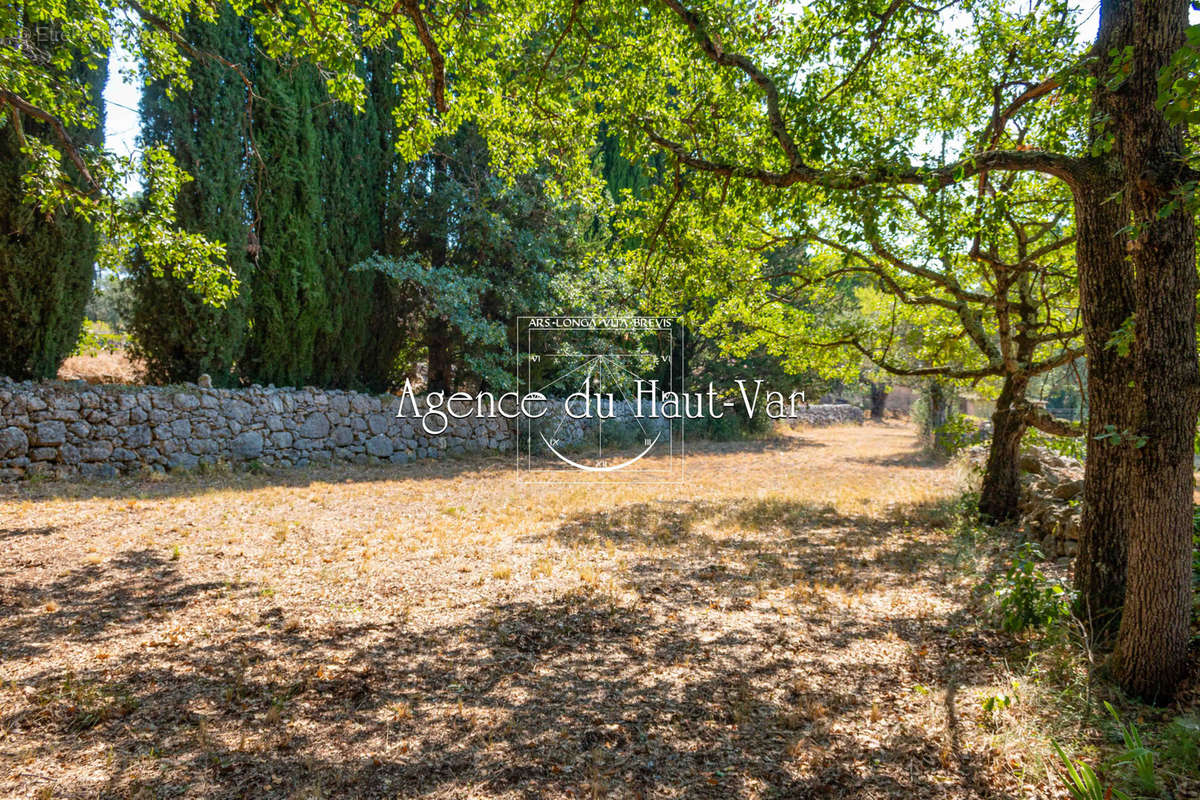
(103, 367)
(789, 623)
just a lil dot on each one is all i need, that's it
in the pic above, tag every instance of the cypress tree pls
(291, 304)
(323, 207)
(297, 212)
(174, 331)
(621, 174)
(47, 262)
(388, 334)
(354, 164)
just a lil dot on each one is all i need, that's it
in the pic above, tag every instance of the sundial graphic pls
(599, 361)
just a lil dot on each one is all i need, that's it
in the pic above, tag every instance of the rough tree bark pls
(1001, 490)
(1151, 654)
(937, 410)
(879, 395)
(438, 342)
(1106, 301)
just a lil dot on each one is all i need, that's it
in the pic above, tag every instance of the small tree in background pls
(472, 251)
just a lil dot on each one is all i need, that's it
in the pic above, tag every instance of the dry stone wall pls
(66, 428)
(618, 421)
(1051, 498)
(1051, 501)
(820, 415)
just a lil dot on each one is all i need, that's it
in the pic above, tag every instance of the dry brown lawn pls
(793, 621)
(102, 367)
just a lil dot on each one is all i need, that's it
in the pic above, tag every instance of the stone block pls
(51, 432)
(97, 451)
(316, 426)
(183, 461)
(186, 401)
(379, 446)
(13, 442)
(248, 445)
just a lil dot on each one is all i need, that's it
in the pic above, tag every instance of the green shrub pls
(1028, 599)
(956, 433)
(727, 428)
(98, 337)
(1082, 781)
(1183, 743)
(618, 434)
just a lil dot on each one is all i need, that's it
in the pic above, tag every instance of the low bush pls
(1029, 599)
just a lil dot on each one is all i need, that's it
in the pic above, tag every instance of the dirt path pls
(786, 624)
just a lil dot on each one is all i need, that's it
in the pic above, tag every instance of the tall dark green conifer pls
(323, 205)
(298, 210)
(175, 332)
(388, 335)
(621, 174)
(291, 304)
(354, 172)
(47, 262)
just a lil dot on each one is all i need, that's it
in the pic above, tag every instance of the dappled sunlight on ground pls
(789, 621)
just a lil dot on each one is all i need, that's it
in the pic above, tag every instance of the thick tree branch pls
(1065, 357)
(197, 54)
(1055, 336)
(1055, 164)
(894, 369)
(436, 60)
(1001, 117)
(22, 105)
(1042, 420)
(164, 27)
(537, 89)
(938, 279)
(721, 57)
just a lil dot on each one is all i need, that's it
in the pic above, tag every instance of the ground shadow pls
(915, 459)
(242, 478)
(581, 694)
(15, 533)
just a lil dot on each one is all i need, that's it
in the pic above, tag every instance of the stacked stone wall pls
(63, 428)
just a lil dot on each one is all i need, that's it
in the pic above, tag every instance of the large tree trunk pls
(879, 395)
(1106, 300)
(1151, 653)
(1001, 491)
